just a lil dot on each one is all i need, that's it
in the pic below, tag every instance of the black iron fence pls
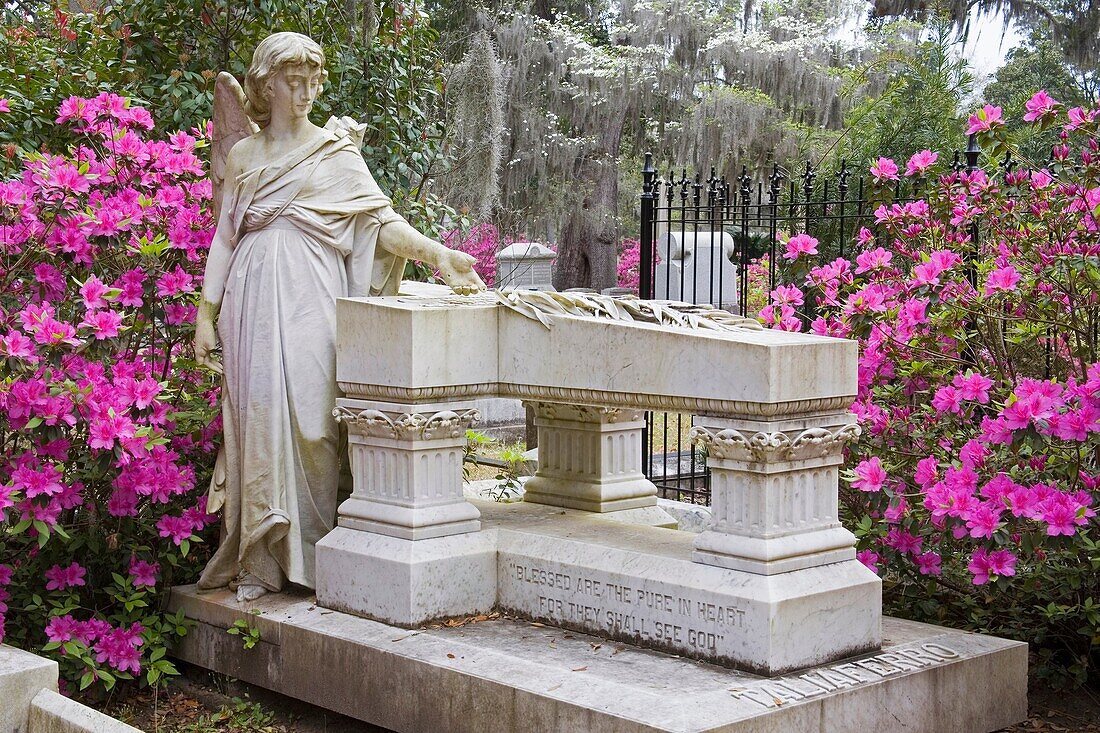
(713, 240)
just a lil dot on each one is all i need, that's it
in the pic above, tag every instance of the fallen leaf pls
(551, 689)
(450, 656)
(580, 669)
(594, 645)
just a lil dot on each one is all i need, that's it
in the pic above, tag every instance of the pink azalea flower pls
(798, 245)
(104, 324)
(177, 529)
(1002, 279)
(62, 628)
(67, 178)
(980, 566)
(921, 162)
(947, 399)
(4, 106)
(984, 521)
(1041, 179)
(60, 578)
(72, 109)
(1040, 105)
(1061, 516)
(973, 387)
(928, 563)
(896, 510)
(869, 558)
(175, 282)
(1002, 562)
(16, 345)
(144, 573)
(904, 542)
(884, 169)
(92, 292)
(1078, 116)
(927, 471)
(870, 475)
(46, 481)
(985, 119)
(120, 648)
(874, 259)
(789, 294)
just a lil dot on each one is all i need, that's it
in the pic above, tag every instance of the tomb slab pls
(513, 675)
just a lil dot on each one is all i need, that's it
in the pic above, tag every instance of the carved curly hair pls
(273, 53)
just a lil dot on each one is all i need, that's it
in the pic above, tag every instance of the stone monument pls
(539, 615)
(574, 609)
(525, 265)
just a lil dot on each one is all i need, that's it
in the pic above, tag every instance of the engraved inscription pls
(775, 693)
(622, 609)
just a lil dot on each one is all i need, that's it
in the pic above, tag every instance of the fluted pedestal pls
(407, 547)
(774, 492)
(590, 459)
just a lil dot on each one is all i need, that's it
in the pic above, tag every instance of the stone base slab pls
(510, 675)
(628, 582)
(398, 581)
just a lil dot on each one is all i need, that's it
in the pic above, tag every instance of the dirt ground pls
(1061, 711)
(201, 702)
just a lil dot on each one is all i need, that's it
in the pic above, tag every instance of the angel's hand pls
(206, 343)
(457, 269)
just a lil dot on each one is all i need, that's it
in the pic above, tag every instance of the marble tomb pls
(771, 591)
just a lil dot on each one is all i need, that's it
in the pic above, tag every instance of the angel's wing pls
(231, 123)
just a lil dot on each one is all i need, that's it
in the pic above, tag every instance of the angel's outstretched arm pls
(399, 237)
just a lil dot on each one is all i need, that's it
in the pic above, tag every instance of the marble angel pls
(301, 222)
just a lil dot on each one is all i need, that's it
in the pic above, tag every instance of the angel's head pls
(276, 54)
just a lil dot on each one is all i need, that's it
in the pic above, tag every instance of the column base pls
(406, 582)
(772, 556)
(409, 523)
(590, 496)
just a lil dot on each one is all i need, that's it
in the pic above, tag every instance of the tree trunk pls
(587, 250)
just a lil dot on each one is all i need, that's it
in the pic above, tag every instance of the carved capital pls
(769, 447)
(584, 413)
(407, 425)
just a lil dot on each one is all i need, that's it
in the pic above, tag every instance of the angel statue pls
(301, 222)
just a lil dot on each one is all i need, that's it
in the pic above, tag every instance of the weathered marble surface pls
(509, 675)
(623, 581)
(22, 676)
(452, 348)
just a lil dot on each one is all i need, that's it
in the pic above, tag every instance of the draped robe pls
(304, 232)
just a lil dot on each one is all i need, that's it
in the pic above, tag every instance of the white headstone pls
(525, 265)
(697, 267)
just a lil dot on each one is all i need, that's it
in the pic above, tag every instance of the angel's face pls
(294, 88)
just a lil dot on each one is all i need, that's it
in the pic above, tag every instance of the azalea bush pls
(105, 424)
(977, 309)
(629, 264)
